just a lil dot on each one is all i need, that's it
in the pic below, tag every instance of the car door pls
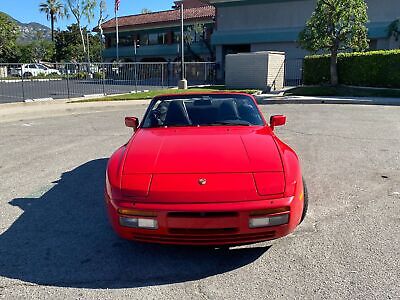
(32, 69)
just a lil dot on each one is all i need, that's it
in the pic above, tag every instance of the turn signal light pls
(134, 212)
(270, 211)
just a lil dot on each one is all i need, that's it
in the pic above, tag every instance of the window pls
(41, 67)
(176, 37)
(162, 38)
(203, 110)
(126, 41)
(373, 44)
(144, 39)
(153, 39)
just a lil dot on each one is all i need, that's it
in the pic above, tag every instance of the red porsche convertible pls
(204, 169)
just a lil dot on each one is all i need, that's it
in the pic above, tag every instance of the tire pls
(305, 207)
(27, 74)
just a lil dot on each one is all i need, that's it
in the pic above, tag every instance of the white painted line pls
(93, 95)
(39, 100)
(29, 80)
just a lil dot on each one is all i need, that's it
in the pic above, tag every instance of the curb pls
(29, 80)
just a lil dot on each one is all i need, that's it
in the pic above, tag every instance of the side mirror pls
(132, 122)
(277, 120)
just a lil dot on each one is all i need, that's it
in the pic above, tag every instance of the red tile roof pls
(169, 16)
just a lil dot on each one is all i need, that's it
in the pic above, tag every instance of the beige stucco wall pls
(291, 14)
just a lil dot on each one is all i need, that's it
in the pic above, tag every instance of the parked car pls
(29, 70)
(204, 169)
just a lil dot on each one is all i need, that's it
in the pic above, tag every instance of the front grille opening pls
(201, 231)
(202, 214)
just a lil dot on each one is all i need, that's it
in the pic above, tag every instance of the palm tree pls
(54, 10)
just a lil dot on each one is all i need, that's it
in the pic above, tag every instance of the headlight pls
(138, 223)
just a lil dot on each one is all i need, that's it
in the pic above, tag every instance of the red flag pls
(117, 3)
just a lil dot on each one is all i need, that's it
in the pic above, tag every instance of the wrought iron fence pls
(37, 81)
(293, 72)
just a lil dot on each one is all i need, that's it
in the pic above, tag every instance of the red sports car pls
(204, 169)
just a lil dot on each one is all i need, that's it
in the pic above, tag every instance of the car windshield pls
(203, 110)
(41, 67)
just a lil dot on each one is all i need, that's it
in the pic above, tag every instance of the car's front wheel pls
(305, 207)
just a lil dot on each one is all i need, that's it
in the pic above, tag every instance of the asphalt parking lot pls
(55, 241)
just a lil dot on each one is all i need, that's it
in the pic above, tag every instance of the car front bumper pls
(206, 224)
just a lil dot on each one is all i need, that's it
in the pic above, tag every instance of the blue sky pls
(28, 10)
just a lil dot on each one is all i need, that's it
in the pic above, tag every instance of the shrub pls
(98, 75)
(374, 68)
(80, 75)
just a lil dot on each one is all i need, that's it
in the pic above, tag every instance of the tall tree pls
(69, 46)
(394, 29)
(82, 9)
(9, 32)
(145, 11)
(334, 26)
(100, 21)
(198, 33)
(54, 10)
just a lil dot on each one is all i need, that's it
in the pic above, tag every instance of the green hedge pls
(375, 69)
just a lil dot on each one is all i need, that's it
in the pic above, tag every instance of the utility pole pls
(183, 82)
(136, 73)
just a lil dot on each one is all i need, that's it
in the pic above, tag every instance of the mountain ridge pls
(30, 31)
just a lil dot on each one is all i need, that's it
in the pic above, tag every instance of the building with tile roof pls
(158, 34)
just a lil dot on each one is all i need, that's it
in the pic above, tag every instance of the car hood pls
(202, 150)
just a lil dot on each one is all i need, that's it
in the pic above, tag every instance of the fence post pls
(168, 73)
(103, 77)
(162, 74)
(205, 73)
(22, 83)
(67, 71)
(136, 79)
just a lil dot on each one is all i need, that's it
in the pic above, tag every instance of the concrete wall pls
(260, 16)
(383, 10)
(291, 13)
(291, 49)
(274, 25)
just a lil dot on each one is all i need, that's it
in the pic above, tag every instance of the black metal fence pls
(20, 82)
(293, 72)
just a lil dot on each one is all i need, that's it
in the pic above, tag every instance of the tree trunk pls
(83, 38)
(334, 72)
(52, 27)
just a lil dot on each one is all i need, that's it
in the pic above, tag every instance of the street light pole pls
(183, 82)
(182, 44)
(136, 79)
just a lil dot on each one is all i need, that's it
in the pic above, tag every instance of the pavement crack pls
(201, 291)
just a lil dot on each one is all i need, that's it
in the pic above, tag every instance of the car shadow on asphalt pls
(63, 239)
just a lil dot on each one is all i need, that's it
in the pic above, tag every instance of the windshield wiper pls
(231, 123)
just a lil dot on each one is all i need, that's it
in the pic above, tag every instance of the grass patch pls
(152, 94)
(345, 91)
